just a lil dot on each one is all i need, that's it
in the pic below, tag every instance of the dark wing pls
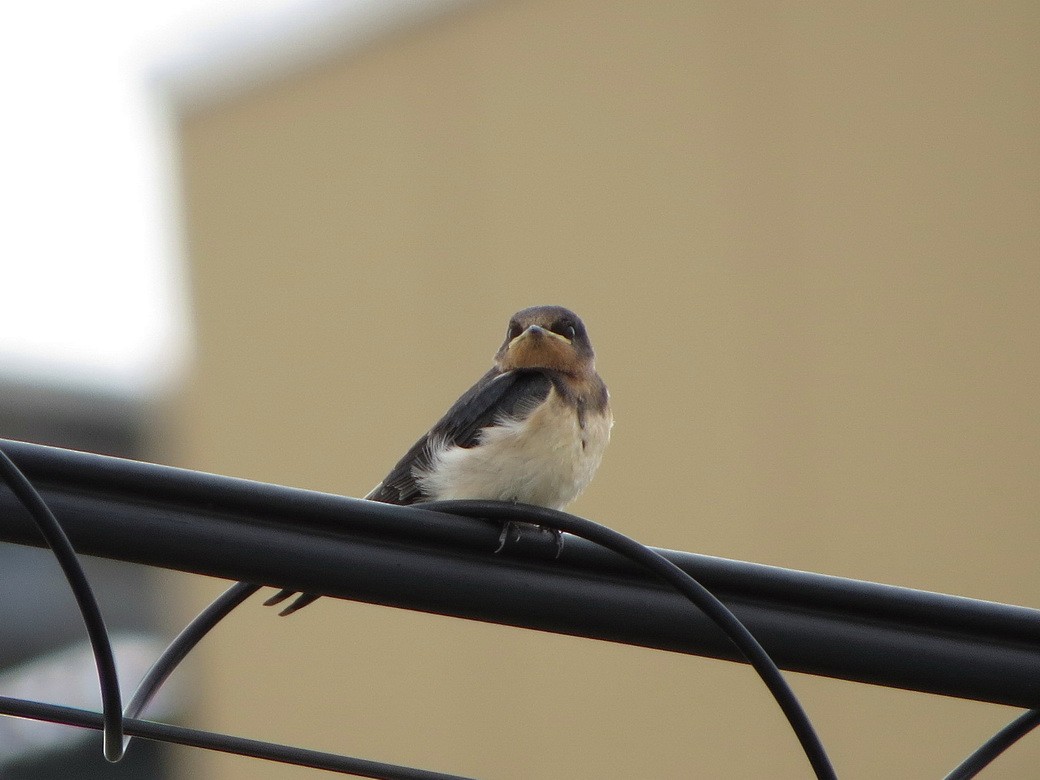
(496, 395)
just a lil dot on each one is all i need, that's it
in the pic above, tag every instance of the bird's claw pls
(507, 527)
(301, 601)
(558, 539)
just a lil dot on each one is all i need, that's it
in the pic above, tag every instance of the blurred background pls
(276, 240)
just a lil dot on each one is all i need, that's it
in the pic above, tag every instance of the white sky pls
(92, 290)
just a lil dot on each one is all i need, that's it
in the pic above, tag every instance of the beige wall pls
(805, 240)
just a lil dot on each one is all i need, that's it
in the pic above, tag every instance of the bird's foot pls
(515, 532)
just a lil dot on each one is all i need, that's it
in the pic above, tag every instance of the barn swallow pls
(532, 430)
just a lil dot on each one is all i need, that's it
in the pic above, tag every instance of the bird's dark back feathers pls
(494, 396)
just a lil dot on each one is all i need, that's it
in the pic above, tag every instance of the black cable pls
(235, 529)
(681, 581)
(59, 543)
(996, 745)
(161, 670)
(687, 585)
(185, 641)
(507, 512)
(224, 743)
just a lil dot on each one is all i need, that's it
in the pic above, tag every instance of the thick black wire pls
(700, 596)
(606, 537)
(112, 722)
(183, 644)
(996, 745)
(108, 679)
(224, 743)
(212, 615)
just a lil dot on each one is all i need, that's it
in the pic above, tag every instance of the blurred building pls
(804, 238)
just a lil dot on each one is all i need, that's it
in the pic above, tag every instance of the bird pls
(532, 430)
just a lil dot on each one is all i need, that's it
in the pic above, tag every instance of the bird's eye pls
(563, 328)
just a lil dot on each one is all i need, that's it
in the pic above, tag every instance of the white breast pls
(546, 459)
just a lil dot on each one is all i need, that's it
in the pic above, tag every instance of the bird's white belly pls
(546, 459)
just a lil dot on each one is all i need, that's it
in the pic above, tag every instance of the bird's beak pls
(536, 332)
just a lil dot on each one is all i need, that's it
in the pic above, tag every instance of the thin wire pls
(224, 743)
(996, 745)
(51, 530)
(183, 644)
(681, 581)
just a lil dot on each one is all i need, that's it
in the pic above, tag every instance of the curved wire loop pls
(51, 530)
(183, 644)
(696, 593)
(996, 745)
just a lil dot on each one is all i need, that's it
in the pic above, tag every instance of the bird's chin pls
(537, 351)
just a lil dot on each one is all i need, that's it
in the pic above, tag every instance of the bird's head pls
(546, 337)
